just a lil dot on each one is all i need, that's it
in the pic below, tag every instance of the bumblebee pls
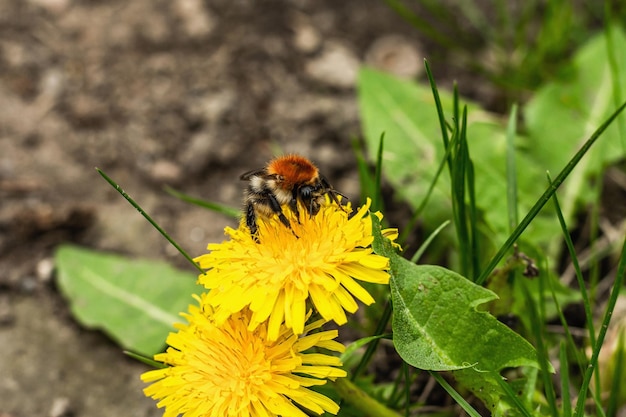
(290, 180)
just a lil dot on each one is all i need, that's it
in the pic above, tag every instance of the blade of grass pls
(594, 267)
(537, 326)
(579, 275)
(480, 21)
(147, 217)
(407, 389)
(463, 195)
(458, 204)
(439, 107)
(503, 34)
(420, 23)
(455, 395)
(618, 378)
(377, 203)
(530, 387)
(554, 28)
(447, 159)
(511, 170)
(411, 224)
(418, 254)
(216, 207)
(473, 212)
(566, 411)
(609, 27)
(594, 262)
(546, 196)
(593, 363)
(371, 348)
(514, 398)
(148, 361)
(357, 344)
(458, 170)
(568, 335)
(401, 395)
(456, 107)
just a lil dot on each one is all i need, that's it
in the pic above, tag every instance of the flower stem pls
(360, 400)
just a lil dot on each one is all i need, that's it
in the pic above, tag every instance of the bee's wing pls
(255, 172)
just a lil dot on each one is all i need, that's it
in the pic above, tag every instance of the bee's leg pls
(284, 220)
(293, 206)
(251, 221)
(332, 193)
(333, 196)
(275, 205)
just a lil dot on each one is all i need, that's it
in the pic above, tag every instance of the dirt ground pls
(186, 93)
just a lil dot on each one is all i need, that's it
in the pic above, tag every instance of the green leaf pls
(406, 112)
(436, 325)
(136, 302)
(562, 115)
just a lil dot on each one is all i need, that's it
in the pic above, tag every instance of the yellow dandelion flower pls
(321, 260)
(230, 371)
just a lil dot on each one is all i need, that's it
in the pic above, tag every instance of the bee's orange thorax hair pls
(294, 169)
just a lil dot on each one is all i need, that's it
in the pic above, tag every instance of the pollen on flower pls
(228, 370)
(323, 262)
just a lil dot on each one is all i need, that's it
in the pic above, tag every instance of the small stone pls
(52, 6)
(396, 55)
(197, 22)
(44, 270)
(336, 66)
(306, 37)
(51, 85)
(165, 171)
(60, 408)
(211, 107)
(197, 154)
(197, 234)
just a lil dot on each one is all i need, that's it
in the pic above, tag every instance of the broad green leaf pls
(436, 324)
(406, 112)
(562, 115)
(136, 302)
